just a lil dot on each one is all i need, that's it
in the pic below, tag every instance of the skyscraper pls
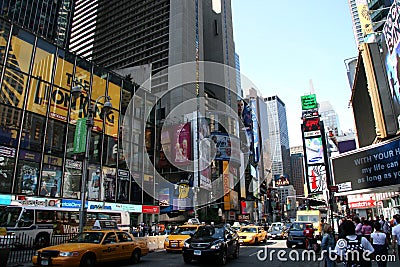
(375, 11)
(121, 35)
(278, 134)
(50, 19)
(297, 164)
(329, 117)
(358, 35)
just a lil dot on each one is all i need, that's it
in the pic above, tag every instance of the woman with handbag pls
(380, 244)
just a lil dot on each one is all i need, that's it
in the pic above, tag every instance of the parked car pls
(295, 234)
(276, 232)
(174, 241)
(91, 247)
(211, 242)
(252, 235)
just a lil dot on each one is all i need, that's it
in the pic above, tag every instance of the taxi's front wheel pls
(135, 258)
(88, 260)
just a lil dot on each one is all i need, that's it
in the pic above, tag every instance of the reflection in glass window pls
(55, 138)
(33, 132)
(13, 88)
(95, 148)
(110, 151)
(10, 119)
(44, 60)
(20, 51)
(70, 140)
(5, 28)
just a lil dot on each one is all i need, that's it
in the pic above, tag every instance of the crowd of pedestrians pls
(376, 238)
(147, 229)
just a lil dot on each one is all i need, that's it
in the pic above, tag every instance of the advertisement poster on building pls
(123, 185)
(163, 197)
(316, 179)
(28, 174)
(227, 147)
(109, 183)
(182, 145)
(390, 47)
(183, 196)
(51, 181)
(7, 163)
(314, 150)
(94, 182)
(72, 178)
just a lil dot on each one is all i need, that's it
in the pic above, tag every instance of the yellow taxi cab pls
(174, 242)
(252, 234)
(91, 247)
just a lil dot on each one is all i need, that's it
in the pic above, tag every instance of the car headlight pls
(69, 254)
(217, 246)
(186, 244)
(166, 240)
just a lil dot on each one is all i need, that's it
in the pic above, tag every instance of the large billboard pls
(391, 51)
(363, 169)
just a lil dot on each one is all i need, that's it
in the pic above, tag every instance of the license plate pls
(44, 262)
(174, 245)
(240, 241)
(197, 252)
(300, 243)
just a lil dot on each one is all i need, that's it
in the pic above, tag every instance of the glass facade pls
(38, 123)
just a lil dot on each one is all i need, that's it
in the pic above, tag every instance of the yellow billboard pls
(363, 15)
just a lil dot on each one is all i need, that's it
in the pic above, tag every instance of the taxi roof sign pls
(105, 225)
(308, 102)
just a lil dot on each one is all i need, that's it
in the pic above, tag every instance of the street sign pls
(362, 204)
(309, 102)
(80, 136)
(334, 188)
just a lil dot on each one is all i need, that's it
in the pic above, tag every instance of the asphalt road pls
(249, 256)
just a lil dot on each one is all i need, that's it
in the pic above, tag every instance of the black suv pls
(211, 242)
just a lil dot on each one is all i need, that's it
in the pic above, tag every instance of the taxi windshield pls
(183, 231)
(249, 230)
(87, 237)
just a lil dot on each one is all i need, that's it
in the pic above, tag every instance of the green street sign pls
(80, 136)
(309, 102)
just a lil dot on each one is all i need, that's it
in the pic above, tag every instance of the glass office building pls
(39, 120)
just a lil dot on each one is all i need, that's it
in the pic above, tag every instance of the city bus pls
(41, 223)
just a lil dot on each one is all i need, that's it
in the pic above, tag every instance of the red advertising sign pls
(151, 209)
(362, 204)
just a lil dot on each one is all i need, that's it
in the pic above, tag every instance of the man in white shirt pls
(396, 235)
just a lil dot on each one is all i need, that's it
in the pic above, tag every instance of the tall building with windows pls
(377, 11)
(358, 35)
(124, 34)
(50, 19)
(278, 134)
(329, 117)
(297, 164)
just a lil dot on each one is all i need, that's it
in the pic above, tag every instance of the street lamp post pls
(89, 125)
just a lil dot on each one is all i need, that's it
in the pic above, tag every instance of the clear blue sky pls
(284, 44)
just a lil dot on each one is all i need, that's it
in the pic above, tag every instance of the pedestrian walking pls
(366, 230)
(380, 244)
(328, 244)
(396, 236)
(352, 246)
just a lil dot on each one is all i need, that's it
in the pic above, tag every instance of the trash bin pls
(4, 253)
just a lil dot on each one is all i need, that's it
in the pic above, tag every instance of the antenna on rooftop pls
(311, 87)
